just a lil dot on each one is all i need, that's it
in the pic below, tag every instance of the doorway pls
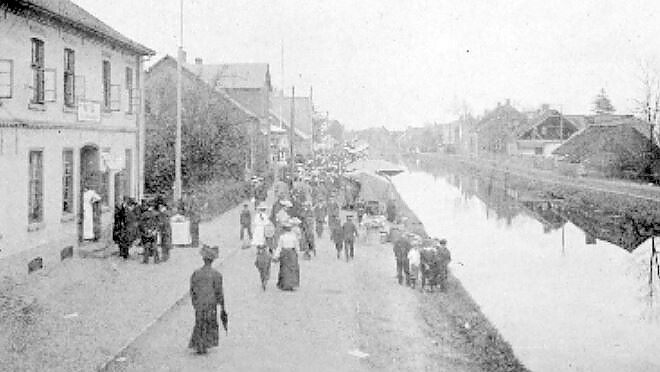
(90, 177)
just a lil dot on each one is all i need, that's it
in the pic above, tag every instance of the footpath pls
(346, 316)
(78, 315)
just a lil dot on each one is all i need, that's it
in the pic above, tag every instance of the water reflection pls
(571, 287)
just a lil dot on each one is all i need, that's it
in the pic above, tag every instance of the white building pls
(70, 117)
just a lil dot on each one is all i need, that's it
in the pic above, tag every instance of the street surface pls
(340, 311)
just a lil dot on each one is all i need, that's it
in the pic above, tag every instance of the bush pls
(218, 196)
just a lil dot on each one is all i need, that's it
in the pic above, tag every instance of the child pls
(263, 264)
(414, 262)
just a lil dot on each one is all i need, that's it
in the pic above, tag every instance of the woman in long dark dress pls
(289, 275)
(206, 294)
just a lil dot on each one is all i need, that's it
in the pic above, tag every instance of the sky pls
(399, 63)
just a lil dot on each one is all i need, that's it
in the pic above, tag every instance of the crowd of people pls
(307, 199)
(148, 225)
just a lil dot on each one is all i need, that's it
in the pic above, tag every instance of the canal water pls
(566, 290)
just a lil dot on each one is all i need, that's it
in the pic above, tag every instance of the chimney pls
(545, 107)
(508, 102)
(183, 55)
(198, 61)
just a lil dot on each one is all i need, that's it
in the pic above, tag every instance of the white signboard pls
(89, 111)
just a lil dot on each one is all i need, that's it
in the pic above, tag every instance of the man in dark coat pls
(149, 234)
(337, 236)
(164, 229)
(120, 230)
(391, 210)
(443, 259)
(246, 222)
(401, 247)
(350, 234)
(206, 294)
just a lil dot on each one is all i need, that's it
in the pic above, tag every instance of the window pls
(69, 78)
(36, 187)
(6, 78)
(67, 181)
(38, 71)
(129, 89)
(106, 86)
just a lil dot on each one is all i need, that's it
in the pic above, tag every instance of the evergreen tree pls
(602, 104)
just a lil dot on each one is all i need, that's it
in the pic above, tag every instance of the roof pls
(303, 112)
(233, 75)
(170, 60)
(67, 12)
(604, 138)
(553, 119)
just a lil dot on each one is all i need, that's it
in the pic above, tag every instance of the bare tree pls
(648, 106)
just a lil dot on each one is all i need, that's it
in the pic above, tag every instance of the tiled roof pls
(71, 14)
(303, 112)
(232, 75)
(170, 60)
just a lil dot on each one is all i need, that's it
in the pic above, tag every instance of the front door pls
(89, 177)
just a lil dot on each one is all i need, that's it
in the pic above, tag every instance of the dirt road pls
(340, 311)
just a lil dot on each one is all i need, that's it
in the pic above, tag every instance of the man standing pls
(401, 248)
(246, 221)
(444, 257)
(149, 234)
(350, 233)
(206, 294)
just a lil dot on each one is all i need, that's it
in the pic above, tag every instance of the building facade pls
(70, 89)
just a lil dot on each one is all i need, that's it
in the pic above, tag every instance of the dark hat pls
(209, 252)
(443, 241)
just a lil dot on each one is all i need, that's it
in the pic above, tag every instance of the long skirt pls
(289, 275)
(205, 333)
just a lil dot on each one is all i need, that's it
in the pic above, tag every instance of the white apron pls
(89, 197)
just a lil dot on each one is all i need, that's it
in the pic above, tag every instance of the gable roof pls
(598, 139)
(169, 60)
(502, 118)
(233, 75)
(552, 117)
(65, 11)
(303, 112)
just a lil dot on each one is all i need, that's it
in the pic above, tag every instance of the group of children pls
(422, 260)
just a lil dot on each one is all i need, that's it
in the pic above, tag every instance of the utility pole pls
(177, 147)
(291, 133)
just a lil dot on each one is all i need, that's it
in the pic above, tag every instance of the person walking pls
(164, 229)
(337, 236)
(206, 294)
(262, 263)
(289, 275)
(401, 248)
(319, 217)
(246, 222)
(350, 234)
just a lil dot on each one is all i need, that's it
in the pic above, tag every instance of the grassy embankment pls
(455, 319)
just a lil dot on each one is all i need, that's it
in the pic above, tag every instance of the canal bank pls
(452, 318)
(569, 292)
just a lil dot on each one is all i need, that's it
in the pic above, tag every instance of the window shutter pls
(50, 85)
(6, 77)
(135, 100)
(79, 88)
(115, 97)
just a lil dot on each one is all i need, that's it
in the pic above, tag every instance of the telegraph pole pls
(177, 147)
(291, 133)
